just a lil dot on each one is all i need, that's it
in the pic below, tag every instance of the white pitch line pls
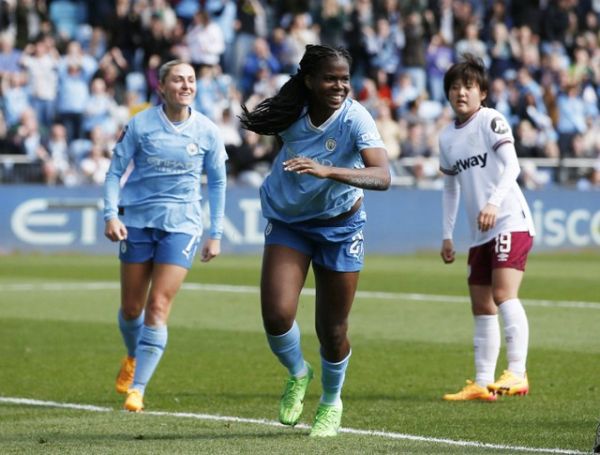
(219, 418)
(107, 285)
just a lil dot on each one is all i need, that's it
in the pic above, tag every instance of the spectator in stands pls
(156, 40)
(250, 22)
(438, 58)
(384, 46)
(162, 10)
(501, 50)
(470, 43)
(112, 68)
(72, 98)
(250, 162)
(362, 18)
(571, 118)
(31, 20)
(413, 52)
(404, 92)
(99, 109)
(417, 147)
(389, 128)
(124, 30)
(10, 58)
(58, 164)
(208, 96)
(299, 33)
(259, 59)
(15, 96)
(205, 41)
(95, 164)
(224, 13)
(41, 60)
(27, 138)
(495, 14)
(331, 18)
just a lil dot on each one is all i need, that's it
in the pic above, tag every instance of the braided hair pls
(277, 113)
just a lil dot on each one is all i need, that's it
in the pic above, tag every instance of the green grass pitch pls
(217, 388)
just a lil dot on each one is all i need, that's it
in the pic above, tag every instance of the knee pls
(277, 323)
(157, 310)
(501, 295)
(129, 314)
(333, 338)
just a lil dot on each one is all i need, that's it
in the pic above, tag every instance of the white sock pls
(486, 345)
(516, 334)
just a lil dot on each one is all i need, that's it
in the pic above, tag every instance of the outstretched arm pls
(374, 176)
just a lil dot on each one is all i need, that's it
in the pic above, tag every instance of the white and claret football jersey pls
(163, 189)
(291, 197)
(469, 153)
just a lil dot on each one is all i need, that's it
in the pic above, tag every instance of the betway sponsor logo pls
(468, 163)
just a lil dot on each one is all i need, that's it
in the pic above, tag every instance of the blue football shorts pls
(151, 244)
(333, 245)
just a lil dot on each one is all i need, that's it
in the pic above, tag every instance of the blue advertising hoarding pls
(46, 219)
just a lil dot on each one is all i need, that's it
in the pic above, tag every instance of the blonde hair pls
(166, 68)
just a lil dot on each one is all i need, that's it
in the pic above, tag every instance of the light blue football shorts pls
(334, 245)
(151, 244)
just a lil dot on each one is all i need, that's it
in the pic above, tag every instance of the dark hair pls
(277, 113)
(469, 69)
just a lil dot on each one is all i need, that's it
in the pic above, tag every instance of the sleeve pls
(450, 202)
(508, 156)
(122, 155)
(367, 135)
(217, 183)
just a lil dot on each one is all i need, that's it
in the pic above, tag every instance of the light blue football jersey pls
(163, 188)
(291, 197)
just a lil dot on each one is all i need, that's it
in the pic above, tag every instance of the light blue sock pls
(332, 379)
(287, 349)
(130, 331)
(149, 351)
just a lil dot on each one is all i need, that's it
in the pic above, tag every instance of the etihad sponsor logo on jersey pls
(170, 165)
(468, 163)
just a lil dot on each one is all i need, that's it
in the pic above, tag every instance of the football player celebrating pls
(478, 158)
(156, 216)
(312, 200)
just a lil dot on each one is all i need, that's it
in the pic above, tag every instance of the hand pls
(447, 252)
(304, 165)
(115, 230)
(211, 249)
(487, 218)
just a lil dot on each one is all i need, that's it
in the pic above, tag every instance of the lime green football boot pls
(327, 421)
(292, 400)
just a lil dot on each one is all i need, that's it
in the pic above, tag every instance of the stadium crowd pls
(73, 72)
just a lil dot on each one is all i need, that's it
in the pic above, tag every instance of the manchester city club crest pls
(123, 246)
(330, 144)
(192, 149)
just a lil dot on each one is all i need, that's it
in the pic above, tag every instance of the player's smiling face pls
(329, 88)
(465, 98)
(179, 87)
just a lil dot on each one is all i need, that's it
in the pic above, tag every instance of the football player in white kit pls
(479, 161)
